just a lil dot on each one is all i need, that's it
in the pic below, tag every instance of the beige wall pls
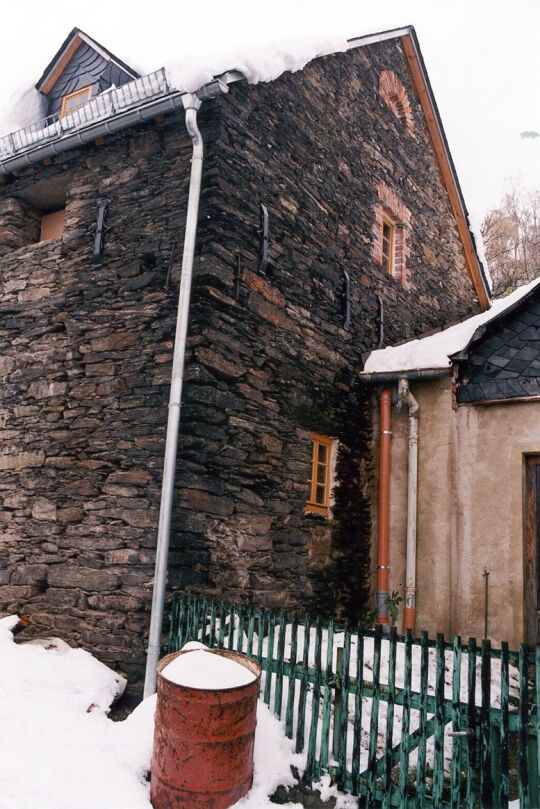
(470, 511)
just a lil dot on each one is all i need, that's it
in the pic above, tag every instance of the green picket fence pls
(401, 721)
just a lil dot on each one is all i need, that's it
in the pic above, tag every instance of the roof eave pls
(447, 170)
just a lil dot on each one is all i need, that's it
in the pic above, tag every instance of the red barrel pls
(203, 741)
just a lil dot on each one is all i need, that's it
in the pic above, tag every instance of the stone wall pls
(270, 358)
(85, 354)
(85, 358)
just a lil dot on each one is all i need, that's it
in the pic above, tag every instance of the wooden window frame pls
(388, 258)
(312, 505)
(65, 100)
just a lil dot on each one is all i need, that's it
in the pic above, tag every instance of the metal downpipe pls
(406, 396)
(383, 543)
(192, 104)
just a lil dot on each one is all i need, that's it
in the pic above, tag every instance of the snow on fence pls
(401, 721)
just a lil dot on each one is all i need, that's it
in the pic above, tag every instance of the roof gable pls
(89, 53)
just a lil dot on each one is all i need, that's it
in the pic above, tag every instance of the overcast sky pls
(482, 56)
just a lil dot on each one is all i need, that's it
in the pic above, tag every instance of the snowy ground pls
(60, 750)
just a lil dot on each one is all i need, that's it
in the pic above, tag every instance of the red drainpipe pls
(383, 550)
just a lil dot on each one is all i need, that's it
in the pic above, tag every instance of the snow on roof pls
(263, 63)
(435, 350)
(260, 64)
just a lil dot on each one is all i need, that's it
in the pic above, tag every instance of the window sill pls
(317, 511)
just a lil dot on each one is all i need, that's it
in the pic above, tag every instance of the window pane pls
(321, 473)
(320, 494)
(323, 453)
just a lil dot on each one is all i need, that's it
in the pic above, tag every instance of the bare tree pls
(511, 235)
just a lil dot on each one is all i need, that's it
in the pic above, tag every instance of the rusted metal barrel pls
(203, 741)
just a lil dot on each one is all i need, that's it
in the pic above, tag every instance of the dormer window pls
(73, 101)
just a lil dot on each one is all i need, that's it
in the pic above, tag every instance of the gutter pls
(164, 105)
(192, 104)
(414, 375)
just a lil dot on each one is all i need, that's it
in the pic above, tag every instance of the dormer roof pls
(62, 58)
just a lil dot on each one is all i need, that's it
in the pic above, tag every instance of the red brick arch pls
(395, 96)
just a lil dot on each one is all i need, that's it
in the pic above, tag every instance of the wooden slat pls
(261, 624)
(486, 784)
(300, 729)
(470, 799)
(421, 762)
(405, 721)
(390, 718)
(240, 635)
(269, 659)
(374, 719)
(438, 761)
(344, 719)
(312, 770)
(289, 712)
(212, 633)
(251, 630)
(221, 630)
(523, 722)
(232, 621)
(278, 697)
(504, 783)
(455, 774)
(327, 698)
(358, 704)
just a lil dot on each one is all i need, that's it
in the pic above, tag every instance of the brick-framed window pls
(396, 98)
(322, 467)
(73, 101)
(391, 233)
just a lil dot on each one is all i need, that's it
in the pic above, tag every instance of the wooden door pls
(532, 549)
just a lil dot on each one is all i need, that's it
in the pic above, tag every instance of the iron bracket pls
(100, 232)
(263, 232)
(347, 300)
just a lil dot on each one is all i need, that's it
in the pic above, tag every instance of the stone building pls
(477, 545)
(330, 216)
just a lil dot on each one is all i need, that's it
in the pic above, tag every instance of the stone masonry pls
(85, 352)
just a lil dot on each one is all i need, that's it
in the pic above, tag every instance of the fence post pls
(338, 705)
(532, 751)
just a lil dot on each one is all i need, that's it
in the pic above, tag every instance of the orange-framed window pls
(321, 474)
(388, 244)
(72, 101)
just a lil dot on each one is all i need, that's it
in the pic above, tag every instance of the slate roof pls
(504, 361)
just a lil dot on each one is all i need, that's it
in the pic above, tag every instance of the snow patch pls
(204, 669)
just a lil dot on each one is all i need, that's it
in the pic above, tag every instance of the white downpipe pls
(406, 396)
(191, 104)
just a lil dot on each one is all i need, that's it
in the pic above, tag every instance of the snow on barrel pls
(205, 729)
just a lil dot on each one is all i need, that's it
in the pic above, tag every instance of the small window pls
(388, 244)
(52, 225)
(321, 474)
(72, 101)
